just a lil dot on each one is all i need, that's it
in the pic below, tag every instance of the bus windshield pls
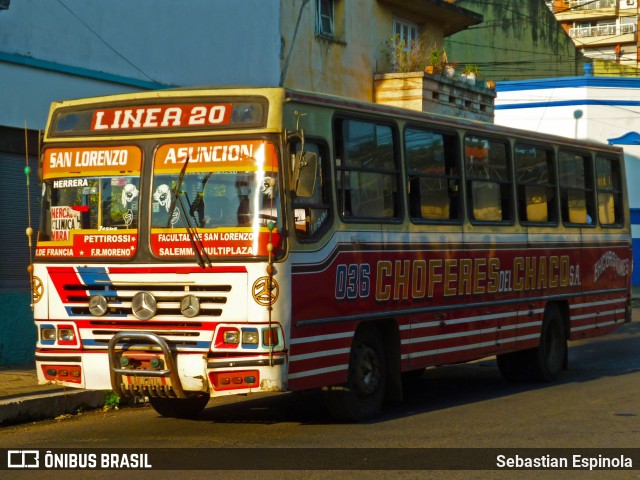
(228, 193)
(222, 199)
(219, 197)
(90, 201)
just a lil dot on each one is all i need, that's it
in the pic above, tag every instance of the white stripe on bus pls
(324, 353)
(317, 371)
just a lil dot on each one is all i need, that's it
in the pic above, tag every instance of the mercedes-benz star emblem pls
(190, 306)
(144, 305)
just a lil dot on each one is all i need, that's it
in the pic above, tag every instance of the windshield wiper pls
(196, 242)
(176, 191)
(202, 258)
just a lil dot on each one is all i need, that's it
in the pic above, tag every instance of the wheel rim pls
(366, 378)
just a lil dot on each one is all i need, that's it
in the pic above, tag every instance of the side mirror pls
(304, 174)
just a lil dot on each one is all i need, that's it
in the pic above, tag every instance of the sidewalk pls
(23, 400)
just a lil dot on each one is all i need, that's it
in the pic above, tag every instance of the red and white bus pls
(206, 242)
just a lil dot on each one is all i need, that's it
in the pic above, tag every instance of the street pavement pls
(23, 400)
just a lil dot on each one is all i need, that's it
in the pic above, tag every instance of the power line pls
(104, 41)
(514, 50)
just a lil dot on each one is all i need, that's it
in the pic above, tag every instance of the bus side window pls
(576, 188)
(312, 215)
(536, 184)
(433, 175)
(488, 179)
(367, 178)
(608, 181)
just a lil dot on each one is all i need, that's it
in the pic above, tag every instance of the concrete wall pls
(42, 87)
(517, 40)
(343, 66)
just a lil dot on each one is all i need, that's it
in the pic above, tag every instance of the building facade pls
(601, 29)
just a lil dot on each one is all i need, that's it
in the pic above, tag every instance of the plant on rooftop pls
(437, 60)
(403, 58)
(471, 72)
(470, 68)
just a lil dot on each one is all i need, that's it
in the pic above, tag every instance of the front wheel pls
(362, 396)
(179, 407)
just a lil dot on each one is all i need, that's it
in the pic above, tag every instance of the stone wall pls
(453, 96)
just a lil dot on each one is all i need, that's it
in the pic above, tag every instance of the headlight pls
(48, 334)
(250, 336)
(66, 335)
(232, 336)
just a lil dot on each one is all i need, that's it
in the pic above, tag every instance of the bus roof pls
(285, 95)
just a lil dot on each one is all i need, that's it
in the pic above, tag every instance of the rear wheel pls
(362, 396)
(550, 356)
(543, 363)
(179, 407)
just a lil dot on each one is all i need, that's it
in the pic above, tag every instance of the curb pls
(48, 405)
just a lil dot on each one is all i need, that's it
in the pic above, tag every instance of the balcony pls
(580, 10)
(604, 34)
(591, 5)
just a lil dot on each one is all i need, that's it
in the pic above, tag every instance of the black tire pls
(549, 358)
(543, 363)
(363, 395)
(179, 407)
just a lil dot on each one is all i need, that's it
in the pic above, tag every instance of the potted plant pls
(449, 67)
(437, 58)
(471, 72)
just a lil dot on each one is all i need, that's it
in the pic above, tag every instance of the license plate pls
(146, 381)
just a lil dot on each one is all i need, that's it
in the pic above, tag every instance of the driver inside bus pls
(218, 205)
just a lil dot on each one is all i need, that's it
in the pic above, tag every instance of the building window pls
(326, 18)
(407, 32)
